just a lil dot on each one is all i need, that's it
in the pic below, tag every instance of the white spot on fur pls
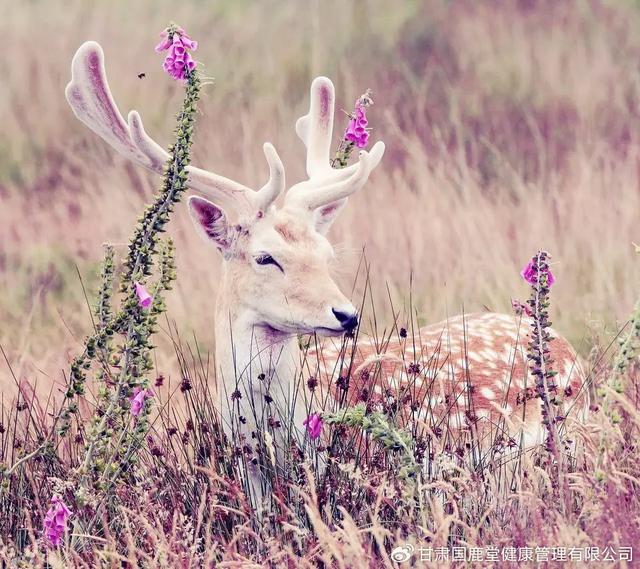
(487, 393)
(489, 354)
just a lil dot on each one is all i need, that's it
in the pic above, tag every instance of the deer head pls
(277, 259)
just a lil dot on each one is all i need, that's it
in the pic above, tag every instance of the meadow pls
(511, 126)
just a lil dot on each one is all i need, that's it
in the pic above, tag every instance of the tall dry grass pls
(510, 126)
(185, 503)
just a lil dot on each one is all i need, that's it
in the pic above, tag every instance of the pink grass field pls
(510, 126)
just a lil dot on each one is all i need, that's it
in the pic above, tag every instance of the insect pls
(141, 75)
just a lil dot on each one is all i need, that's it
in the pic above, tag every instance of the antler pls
(326, 184)
(90, 98)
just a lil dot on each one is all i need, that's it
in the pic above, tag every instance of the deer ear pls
(211, 222)
(325, 215)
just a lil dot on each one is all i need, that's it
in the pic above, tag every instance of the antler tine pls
(326, 184)
(225, 191)
(275, 186)
(90, 98)
(332, 191)
(316, 127)
(340, 174)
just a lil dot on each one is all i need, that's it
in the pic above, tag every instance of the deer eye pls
(266, 259)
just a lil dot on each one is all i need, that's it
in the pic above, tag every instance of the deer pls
(277, 286)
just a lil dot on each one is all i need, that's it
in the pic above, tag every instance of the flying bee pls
(365, 99)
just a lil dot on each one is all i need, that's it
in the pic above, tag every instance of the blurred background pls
(510, 126)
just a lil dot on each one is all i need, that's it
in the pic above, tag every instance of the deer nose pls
(348, 320)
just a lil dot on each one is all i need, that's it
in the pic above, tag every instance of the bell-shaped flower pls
(55, 521)
(144, 298)
(314, 424)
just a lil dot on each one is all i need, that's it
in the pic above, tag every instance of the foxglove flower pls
(356, 134)
(144, 298)
(55, 521)
(356, 129)
(137, 400)
(178, 61)
(530, 274)
(537, 274)
(314, 425)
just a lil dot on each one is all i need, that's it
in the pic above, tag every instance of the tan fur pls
(471, 371)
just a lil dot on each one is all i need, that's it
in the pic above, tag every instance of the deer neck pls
(251, 357)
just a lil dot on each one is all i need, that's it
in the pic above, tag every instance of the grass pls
(510, 127)
(184, 500)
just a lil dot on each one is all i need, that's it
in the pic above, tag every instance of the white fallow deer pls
(277, 285)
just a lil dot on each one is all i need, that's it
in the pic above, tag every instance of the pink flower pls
(356, 129)
(550, 278)
(530, 274)
(178, 61)
(314, 425)
(137, 400)
(55, 521)
(144, 298)
(165, 43)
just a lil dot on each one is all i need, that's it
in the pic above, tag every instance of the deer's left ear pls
(211, 222)
(325, 215)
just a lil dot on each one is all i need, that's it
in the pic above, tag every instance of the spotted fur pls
(466, 373)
